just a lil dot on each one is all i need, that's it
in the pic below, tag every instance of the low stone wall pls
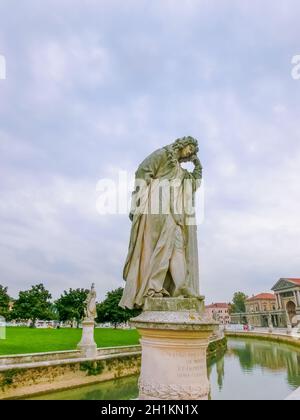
(118, 350)
(38, 357)
(61, 355)
(27, 379)
(27, 375)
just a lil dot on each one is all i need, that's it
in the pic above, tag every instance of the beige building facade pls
(264, 302)
(287, 293)
(219, 312)
(281, 309)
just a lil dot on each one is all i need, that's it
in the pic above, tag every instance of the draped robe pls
(153, 236)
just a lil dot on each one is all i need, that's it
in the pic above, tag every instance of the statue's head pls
(186, 147)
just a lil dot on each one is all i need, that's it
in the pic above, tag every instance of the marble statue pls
(162, 259)
(270, 323)
(90, 310)
(87, 345)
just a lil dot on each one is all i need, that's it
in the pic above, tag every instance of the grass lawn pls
(21, 340)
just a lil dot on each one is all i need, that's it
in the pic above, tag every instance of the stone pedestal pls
(87, 345)
(175, 336)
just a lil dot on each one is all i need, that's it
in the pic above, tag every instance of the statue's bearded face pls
(187, 152)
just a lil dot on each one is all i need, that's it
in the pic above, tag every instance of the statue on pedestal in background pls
(90, 310)
(87, 344)
(270, 323)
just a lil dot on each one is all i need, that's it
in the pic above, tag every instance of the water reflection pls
(219, 364)
(276, 358)
(254, 369)
(120, 389)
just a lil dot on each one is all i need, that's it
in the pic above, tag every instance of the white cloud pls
(12, 149)
(58, 65)
(50, 231)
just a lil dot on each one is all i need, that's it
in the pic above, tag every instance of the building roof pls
(286, 283)
(262, 296)
(295, 281)
(218, 306)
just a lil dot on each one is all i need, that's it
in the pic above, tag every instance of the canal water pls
(250, 370)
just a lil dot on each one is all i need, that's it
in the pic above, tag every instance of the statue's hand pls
(196, 161)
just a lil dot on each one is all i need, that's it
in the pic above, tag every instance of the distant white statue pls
(87, 345)
(270, 323)
(90, 310)
(2, 328)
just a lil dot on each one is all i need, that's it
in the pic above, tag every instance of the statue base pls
(175, 336)
(87, 345)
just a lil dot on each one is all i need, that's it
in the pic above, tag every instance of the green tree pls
(33, 304)
(4, 302)
(70, 305)
(110, 311)
(238, 303)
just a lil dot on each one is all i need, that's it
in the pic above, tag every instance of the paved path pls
(276, 332)
(295, 396)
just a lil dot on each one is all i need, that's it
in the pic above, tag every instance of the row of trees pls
(36, 304)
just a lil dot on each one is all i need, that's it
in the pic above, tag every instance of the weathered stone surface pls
(27, 359)
(87, 344)
(186, 314)
(175, 304)
(175, 337)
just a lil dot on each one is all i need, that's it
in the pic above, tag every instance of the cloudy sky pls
(94, 86)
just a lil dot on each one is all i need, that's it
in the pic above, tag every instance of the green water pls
(250, 370)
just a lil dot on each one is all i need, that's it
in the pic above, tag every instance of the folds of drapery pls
(153, 233)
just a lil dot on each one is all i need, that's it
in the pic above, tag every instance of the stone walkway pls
(295, 396)
(276, 332)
